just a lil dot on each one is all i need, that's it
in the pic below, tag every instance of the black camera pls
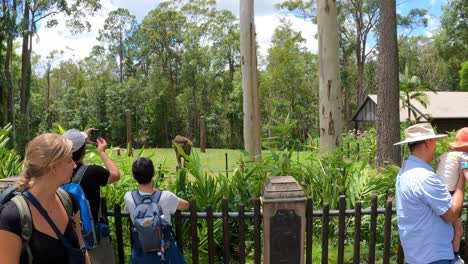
(94, 135)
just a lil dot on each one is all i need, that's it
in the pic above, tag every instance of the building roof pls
(441, 105)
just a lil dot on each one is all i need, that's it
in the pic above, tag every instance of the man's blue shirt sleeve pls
(436, 195)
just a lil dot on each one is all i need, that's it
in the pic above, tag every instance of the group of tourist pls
(428, 203)
(53, 234)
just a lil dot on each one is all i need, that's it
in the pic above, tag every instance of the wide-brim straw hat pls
(419, 132)
(461, 139)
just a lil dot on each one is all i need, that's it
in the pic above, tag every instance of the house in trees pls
(446, 111)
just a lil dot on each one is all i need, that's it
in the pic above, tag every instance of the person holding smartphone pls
(93, 178)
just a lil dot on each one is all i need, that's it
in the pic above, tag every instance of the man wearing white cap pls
(425, 208)
(92, 178)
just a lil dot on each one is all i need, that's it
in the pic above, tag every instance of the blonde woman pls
(56, 235)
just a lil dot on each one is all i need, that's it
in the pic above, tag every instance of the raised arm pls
(183, 205)
(114, 173)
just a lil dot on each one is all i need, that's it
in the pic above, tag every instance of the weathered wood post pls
(128, 114)
(284, 221)
(202, 134)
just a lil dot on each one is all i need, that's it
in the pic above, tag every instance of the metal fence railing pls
(324, 216)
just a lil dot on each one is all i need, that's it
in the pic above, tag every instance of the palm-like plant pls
(411, 89)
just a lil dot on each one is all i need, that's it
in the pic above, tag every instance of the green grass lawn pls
(213, 160)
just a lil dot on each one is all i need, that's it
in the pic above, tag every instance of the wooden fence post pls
(257, 240)
(202, 134)
(128, 114)
(226, 234)
(240, 209)
(193, 224)
(341, 228)
(209, 224)
(309, 226)
(357, 232)
(118, 233)
(387, 231)
(227, 167)
(325, 222)
(178, 228)
(373, 229)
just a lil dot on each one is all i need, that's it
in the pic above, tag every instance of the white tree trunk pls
(252, 128)
(331, 124)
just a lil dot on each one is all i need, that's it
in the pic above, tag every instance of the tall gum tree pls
(43, 11)
(118, 26)
(251, 108)
(331, 123)
(388, 112)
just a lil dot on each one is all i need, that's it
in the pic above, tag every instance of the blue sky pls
(266, 19)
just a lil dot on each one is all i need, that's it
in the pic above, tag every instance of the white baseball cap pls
(77, 137)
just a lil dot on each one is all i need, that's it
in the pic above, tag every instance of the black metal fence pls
(255, 215)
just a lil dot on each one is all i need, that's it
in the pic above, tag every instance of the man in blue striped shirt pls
(425, 208)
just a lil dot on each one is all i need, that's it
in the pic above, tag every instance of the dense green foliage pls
(10, 163)
(182, 61)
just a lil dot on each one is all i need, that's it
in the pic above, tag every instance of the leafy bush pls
(10, 163)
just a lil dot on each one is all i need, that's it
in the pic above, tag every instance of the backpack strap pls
(156, 196)
(66, 201)
(137, 198)
(79, 174)
(25, 223)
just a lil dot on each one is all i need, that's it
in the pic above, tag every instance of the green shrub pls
(10, 163)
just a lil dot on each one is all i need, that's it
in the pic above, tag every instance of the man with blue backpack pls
(150, 212)
(91, 178)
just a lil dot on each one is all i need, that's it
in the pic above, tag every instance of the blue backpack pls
(150, 227)
(88, 228)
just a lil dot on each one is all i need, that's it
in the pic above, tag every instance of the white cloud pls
(265, 27)
(432, 25)
(59, 37)
(79, 46)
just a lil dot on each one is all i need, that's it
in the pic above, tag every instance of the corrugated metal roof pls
(441, 105)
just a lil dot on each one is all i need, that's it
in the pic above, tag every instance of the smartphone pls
(94, 135)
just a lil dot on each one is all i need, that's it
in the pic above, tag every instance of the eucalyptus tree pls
(451, 39)
(388, 112)
(118, 27)
(252, 132)
(331, 123)
(290, 92)
(35, 12)
(160, 41)
(225, 56)
(363, 15)
(50, 59)
(99, 70)
(464, 76)
(9, 30)
(196, 62)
